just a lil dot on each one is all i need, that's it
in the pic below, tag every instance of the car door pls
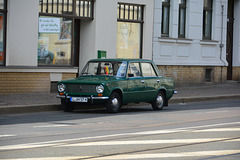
(136, 86)
(151, 80)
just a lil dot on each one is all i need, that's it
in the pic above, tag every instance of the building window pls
(207, 19)
(54, 41)
(3, 15)
(58, 29)
(129, 30)
(165, 17)
(182, 18)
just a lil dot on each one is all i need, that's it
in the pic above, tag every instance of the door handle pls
(142, 81)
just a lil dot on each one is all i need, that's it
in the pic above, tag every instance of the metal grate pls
(130, 12)
(80, 88)
(71, 8)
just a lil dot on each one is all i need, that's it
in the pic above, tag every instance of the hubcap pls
(115, 102)
(159, 101)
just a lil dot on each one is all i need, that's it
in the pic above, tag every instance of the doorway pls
(230, 23)
(76, 44)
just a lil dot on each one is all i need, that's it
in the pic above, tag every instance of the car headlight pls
(99, 88)
(61, 87)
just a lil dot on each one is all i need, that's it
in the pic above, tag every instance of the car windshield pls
(105, 68)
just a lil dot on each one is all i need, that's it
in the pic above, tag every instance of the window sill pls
(38, 69)
(208, 42)
(175, 40)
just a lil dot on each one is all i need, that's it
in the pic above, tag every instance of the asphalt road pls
(204, 130)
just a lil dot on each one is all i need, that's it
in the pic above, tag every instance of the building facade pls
(45, 41)
(190, 40)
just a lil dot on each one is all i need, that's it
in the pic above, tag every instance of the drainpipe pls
(221, 44)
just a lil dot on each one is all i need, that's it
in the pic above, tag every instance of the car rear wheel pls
(114, 103)
(67, 106)
(158, 103)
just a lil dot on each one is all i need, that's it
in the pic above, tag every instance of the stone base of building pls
(19, 83)
(236, 74)
(195, 75)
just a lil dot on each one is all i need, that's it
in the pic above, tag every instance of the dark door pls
(76, 44)
(230, 38)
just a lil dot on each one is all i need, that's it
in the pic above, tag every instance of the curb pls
(56, 107)
(29, 108)
(204, 98)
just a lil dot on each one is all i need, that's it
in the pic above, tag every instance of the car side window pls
(134, 70)
(148, 70)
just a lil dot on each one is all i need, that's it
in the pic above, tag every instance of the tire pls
(159, 102)
(114, 103)
(67, 106)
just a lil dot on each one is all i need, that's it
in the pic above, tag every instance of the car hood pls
(92, 79)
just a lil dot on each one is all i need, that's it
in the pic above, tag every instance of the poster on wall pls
(49, 25)
(66, 27)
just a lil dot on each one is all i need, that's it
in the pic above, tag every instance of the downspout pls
(222, 45)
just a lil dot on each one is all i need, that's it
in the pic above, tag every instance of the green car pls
(116, 82)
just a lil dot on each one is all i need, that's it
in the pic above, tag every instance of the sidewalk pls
(35, 102)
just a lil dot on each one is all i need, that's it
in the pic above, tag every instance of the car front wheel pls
(158, 103)
(113, 104)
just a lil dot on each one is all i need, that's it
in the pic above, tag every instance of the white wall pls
(236, 34)
(22, 33)
(101, 33)
(192, 50)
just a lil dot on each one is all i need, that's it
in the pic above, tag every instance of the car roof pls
(119, 59)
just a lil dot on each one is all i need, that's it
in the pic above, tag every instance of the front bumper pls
(94, 98)
(91, 98)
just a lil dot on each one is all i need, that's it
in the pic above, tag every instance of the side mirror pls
(130, 75)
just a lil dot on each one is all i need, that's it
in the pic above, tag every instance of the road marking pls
(58, 142)
(143, 156)
(146, 142)
(7, 135)
(172, 155)
(52, 126)
(219, 130)
(217, 111)
(51, 158)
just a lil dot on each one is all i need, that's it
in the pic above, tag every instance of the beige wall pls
(193, 75)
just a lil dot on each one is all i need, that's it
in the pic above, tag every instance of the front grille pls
(80, 88)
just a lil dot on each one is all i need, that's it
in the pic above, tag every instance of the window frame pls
(139, 19)
(167, 5)
(69, 14)
(4, 11)
(207, 9)
(182, 6)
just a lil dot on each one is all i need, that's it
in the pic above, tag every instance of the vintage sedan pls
(117, 82)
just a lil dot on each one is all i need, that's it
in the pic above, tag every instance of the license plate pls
(79, 99)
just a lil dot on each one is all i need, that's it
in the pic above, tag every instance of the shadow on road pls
(60, 116)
